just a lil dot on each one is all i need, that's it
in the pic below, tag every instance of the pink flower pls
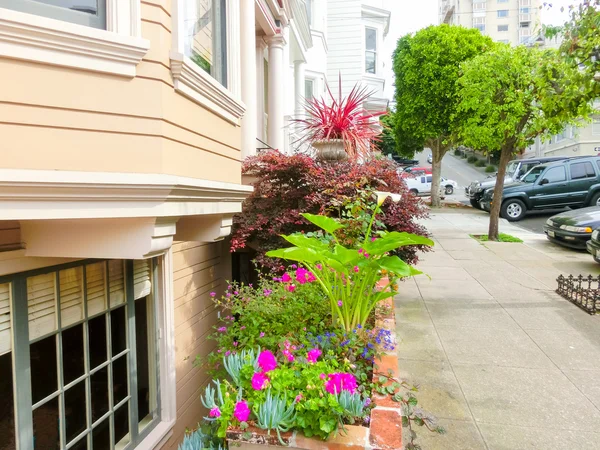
(373, 239)
(356, 269)
(261, 334)
(212, 294)
(339, 382)
(267, 292)
(340, 303)
(313, 355)
(298, 398)
(222, 329)
(366, 255)
(259, 381)
(322, 376)
(291, 287)
(319, 266)
(360, 250)
(215, 412)
(267, 361)
(286, 278)
(241, 411)
(227, 353)
(235, 344)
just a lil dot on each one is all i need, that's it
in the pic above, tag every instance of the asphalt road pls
(463, 173)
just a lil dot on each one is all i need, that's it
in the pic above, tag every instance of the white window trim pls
(193, 82)
(370, 27)
(116, 50)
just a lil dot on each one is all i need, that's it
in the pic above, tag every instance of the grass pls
(501, 238)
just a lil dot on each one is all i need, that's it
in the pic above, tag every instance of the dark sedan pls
(573, 228)
(593, 245)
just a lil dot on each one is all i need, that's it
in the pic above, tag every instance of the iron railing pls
(582, 291)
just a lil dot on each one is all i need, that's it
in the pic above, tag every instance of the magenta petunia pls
(291, 287)
(215, 412)
(259, 381)
(241, 411)
(313, 355)
(212, 294)
(222, 329)
(267, 361)
(286, 278)
(356, 269)
(340, 303)
(339, 382)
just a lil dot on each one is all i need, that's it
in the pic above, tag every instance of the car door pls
(583, 176)
(428, 180)
(551, 188)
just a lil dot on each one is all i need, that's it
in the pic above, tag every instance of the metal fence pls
(583, 291)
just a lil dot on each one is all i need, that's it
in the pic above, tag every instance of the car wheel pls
(595, 200)
(414, 191)
(513, 210)
(449, 190)
(474, 203)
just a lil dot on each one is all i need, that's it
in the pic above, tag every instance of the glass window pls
(479, 6)
(309, 91)
(309, 11)
(205, 36)
(582, 170)
(82, 366)
(371, 50)
(503, 13)
(525, 11)
(91, 13)
(502, 1)
(429, 179)
(502, 27)
(533, 174)
(556, 174)
(479, 23)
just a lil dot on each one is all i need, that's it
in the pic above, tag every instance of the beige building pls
(573, 141)
(122, 125)
(509, 21)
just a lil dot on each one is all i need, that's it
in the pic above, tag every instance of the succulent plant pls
(274, 414)
(198, 440)
(234, 362)
(353, 404)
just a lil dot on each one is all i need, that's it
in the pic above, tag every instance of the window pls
(525, 11)
(371, 50)
(556, 174)
(479, 23)
(503, 13)
(502, 1)
(582, 170)
(86, 337)
(560, 136)
(84, 12)
(502, 27)
(309, 89)
(429, 178)
(204, 36)
(479, 6)
(309, 11)
(533, 174)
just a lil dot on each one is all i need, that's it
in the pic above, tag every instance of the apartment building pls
(510, 21)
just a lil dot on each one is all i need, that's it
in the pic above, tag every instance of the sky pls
(409, 16)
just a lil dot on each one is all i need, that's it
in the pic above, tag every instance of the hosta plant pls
(349, 276)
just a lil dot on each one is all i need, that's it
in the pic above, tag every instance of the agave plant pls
(235, 361)
(353, 404)
(274, 414)
(344, 118)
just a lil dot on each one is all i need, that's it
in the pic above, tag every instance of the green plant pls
(472, 159)
(464, 155)
(502, 237)
(457, 152)
(349, 276)
(203, 438)
(480, 163)
(490, 168)
(275, 414)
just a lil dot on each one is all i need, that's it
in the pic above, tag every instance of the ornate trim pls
(41, 39)
(194, 83)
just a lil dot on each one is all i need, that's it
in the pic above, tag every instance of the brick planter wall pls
(385, 432)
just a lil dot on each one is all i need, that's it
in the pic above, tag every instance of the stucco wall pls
(59, 118)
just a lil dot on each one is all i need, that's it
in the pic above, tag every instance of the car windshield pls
(512, 168)
(533, 174)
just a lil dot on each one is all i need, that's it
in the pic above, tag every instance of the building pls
(573, 141)
(510, 21)
(120, 174)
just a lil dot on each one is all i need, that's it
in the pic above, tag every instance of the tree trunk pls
(505, 156)
(436, 170)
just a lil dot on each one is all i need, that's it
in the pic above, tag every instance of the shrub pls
(457, 152)
(490, 169)
(288, 186)
(472, 159)
(480, 163)
(464, 155)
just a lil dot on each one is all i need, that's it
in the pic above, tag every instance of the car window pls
(429, 179)
(533, 174)
(556, 174)
(422, 179)
(582, 170)
(512, 168)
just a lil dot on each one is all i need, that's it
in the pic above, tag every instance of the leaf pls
(392, 241)
(296, 254)
(383, 295)
(326, 223)
(345, 255)
(327, 424)
(398, 267)
(301, 240)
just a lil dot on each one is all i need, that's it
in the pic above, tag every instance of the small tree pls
(426, 66)
(510, 96)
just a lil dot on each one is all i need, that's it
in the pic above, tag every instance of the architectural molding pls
(371, 12)
(234, 62)
(276, 41)
(320, 35)
(191, 81)
(49, 41)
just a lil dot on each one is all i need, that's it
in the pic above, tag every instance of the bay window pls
(370, 50)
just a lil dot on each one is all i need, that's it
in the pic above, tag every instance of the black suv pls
(573, 182)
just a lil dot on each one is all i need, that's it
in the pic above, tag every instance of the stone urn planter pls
(385, 426)
(330, 150)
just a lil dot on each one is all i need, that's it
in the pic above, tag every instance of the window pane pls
(71, 295)
(503, 13)
(45, 426)
(97, 338)
(7, 405)
(120, 385)
(122, 426)
(95, 283)
(556, 174)
(118, 330)
(308, 89)
(371, 39)
(145, 354)
(75, 411)
(72, 351)
(44, 379)
(41, 304)
(99, 388)
(84, 6)
(101, 435)
(370, 62)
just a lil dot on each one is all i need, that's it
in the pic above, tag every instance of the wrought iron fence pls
(582, 291)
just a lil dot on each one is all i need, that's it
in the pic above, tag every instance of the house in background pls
(120, 174)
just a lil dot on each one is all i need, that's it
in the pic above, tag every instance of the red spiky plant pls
(343, 118)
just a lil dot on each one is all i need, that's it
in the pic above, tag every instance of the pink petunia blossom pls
(339, 382)
(319, 266)
(340, 303)
(212, 294)
(241, 411)
(222, 329)
(313, 355)
(356, 269)
(291, 287)
(298, 398)
(261, 334)
(259, 381)
(215, 412)
(286, 278)
(322, 376)
(267, 361)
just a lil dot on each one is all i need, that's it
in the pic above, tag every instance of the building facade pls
(510, 21)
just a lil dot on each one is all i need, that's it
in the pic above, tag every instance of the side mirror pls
(544, 181)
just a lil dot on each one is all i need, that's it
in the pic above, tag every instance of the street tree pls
(511, 95)
(426, 68)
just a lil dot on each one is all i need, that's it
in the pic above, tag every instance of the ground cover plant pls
(502, 237)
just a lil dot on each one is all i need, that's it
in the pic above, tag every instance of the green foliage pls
(490, 169)
(464, 155)
(203, 438)
(387, 144)
(502, 237)
(480, 163)
(472, 159)
(274, 413)
(457, 152)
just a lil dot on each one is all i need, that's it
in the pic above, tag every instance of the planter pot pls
(330, 150)
(384, 432)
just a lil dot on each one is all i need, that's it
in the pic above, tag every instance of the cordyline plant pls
(349, 276)
(344, 118)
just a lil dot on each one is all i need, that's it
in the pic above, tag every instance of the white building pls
(509, 21)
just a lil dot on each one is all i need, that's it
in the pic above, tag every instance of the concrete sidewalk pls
(502, 361)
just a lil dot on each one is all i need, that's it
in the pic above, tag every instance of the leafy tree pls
(387, 144)
(511, 95)
(426, 66)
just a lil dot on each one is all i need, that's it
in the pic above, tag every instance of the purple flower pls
(261, 334)
(212, 294)
(367, 401)
(259, 381)
(235, 344)
(267, 361)
(227, 353)
(236, 293)
(267, 292)
(215, 412)
(340, 303)
(222, 329)
(294, 266)
(241, 411)
(243, 327)
(313, 355)
(298, 398)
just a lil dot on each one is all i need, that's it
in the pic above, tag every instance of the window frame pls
(372, 52)
(544, 175)
(502, 13)
(587, 174)
(161, 299)
(307, 82)
(59, 12)
(504, 28)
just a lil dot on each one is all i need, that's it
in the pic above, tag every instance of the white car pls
(421, 185)
(448, 186)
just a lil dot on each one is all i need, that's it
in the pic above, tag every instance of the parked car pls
(404, 161)
(430, 159)
(573, 228)
(515, 170)
(422, 185)
(573, 182)
(593, 245)
(411, 172)
(448, 186)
